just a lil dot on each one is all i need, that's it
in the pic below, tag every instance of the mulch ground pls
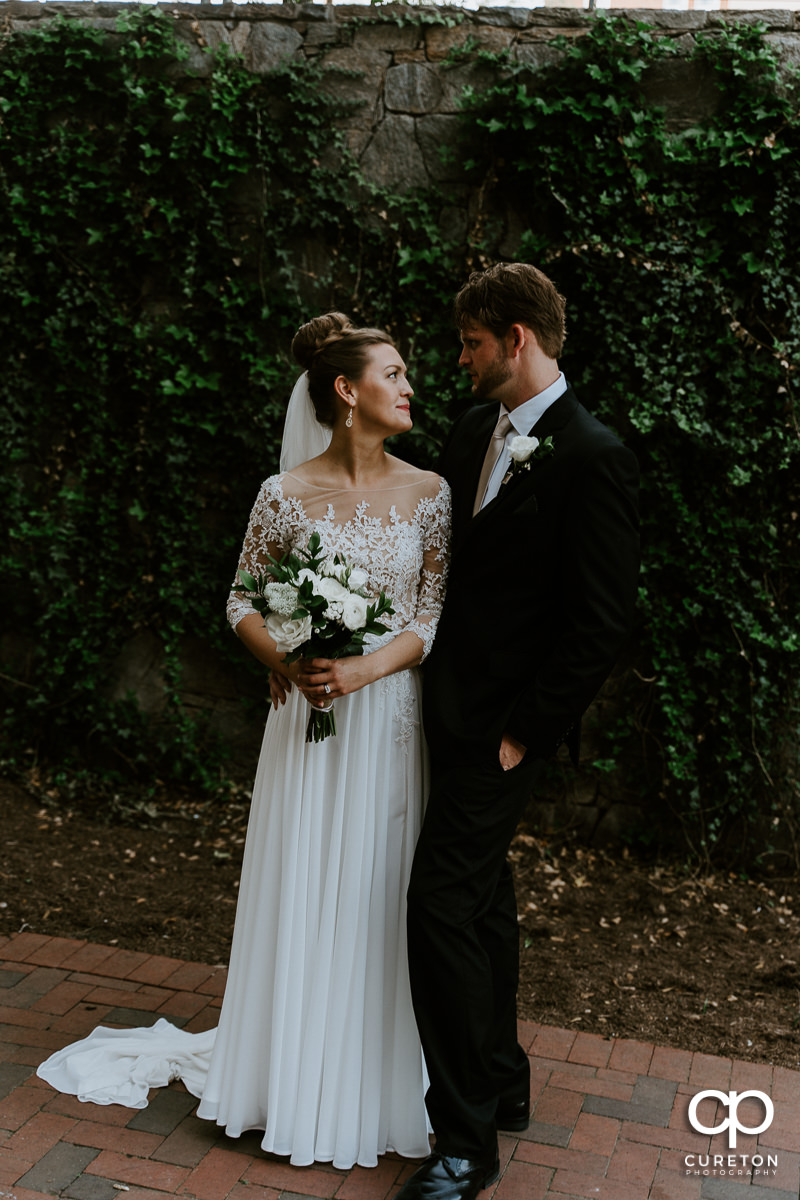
(610, 944)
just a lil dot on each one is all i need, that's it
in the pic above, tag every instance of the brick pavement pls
(609, 1117)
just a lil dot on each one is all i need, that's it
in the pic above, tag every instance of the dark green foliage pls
(161, 238)
(678, 251)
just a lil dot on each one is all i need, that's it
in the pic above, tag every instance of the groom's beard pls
(492, 377)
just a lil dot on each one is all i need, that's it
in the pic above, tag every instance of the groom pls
(540, 599)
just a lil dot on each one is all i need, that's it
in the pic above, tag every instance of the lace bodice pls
(399, 535)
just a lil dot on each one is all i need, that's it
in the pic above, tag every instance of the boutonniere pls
(524, 451)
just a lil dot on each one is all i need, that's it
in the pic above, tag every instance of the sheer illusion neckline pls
(327, 487)
(367, 513)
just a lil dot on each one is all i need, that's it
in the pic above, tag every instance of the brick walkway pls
(610, 1117)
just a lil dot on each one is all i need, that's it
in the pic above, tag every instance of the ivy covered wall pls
(182, 186)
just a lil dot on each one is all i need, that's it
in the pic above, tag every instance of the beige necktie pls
(490, 461)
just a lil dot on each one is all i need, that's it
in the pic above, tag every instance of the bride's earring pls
(349, 421)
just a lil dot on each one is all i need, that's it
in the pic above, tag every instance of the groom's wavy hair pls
(514, 294)
(330, 346)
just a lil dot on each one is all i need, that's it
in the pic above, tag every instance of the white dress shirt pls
(523, 418)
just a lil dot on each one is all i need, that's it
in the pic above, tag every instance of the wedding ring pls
(327, 689)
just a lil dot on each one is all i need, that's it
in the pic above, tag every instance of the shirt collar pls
(525, 416)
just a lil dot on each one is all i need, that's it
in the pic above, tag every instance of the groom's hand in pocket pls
(512, 752)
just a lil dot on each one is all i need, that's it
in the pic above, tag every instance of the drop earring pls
(349, 421)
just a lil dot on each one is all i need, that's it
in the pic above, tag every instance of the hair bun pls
(312, 336)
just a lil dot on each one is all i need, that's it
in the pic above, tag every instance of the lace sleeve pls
(434, 516)
(264, 536)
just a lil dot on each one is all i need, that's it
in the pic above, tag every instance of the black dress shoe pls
(513, 1116)
(444, 1178)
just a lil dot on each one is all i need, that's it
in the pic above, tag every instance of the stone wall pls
(392, 60)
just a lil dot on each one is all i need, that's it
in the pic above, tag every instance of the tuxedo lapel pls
(552, 419)
(556, 416)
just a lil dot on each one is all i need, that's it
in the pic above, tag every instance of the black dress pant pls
(463, 948)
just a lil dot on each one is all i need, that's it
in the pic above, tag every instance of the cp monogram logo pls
(731, 1100)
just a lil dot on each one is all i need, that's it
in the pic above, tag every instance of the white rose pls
(333, 569)
(354, 612)
(521, 448)
(357, 578)
(288, 634)
(307, 573)
(331, 589)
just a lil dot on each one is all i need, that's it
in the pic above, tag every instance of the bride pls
(317, 1044)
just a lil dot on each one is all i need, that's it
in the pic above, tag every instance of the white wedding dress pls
(317, 1044)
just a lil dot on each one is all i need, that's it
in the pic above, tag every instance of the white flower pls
(334, 611)
(333, 570)
(281, 597)
(354, 612)
(521, 448)
(288, 634)
(307, 573)
(331, 589)
(357, 578)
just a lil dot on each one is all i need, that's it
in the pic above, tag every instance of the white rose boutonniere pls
(524, 451)
(521, 448)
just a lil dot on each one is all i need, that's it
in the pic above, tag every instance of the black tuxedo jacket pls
(541, 589)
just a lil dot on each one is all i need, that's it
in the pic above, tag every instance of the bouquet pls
(316, 606)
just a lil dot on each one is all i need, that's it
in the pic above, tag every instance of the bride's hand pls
(281, 682)
(321, 680)
(279, 687)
